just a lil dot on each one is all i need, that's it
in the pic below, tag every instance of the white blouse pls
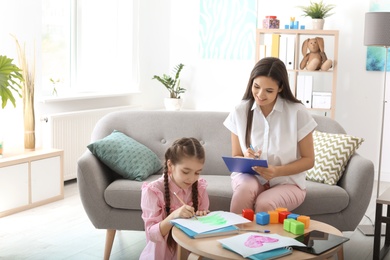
(276, 135)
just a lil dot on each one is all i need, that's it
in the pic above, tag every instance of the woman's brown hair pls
(275, 69)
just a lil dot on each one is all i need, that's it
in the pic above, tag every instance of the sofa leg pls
(110, 235)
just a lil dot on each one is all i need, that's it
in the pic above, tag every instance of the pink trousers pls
(248, 193)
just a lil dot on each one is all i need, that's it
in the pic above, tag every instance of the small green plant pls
(172, 84)
(10, 79)
(317, 10)
(54, 82)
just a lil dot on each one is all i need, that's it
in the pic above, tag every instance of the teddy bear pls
(316, 58)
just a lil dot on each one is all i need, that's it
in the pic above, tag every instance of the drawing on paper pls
(254, 241)
(213, 220)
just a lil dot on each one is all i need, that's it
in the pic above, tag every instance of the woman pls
(279, 129)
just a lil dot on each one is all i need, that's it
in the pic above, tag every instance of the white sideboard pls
(30, 179)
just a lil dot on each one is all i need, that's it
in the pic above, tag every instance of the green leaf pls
(10, 78)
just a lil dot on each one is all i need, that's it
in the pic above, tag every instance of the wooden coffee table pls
(211, 248)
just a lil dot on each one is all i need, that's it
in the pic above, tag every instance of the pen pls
(251, 146)
(255, 230)
(182, 202)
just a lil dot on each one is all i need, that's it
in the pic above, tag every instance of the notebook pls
(243, 164)
(229, 230)
(272, 254)
(317, 242)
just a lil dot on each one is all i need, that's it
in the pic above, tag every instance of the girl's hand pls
(202, 212)
(267, 173)
(184, 211)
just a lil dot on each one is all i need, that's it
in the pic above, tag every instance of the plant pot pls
(318, 24)
(173, 104)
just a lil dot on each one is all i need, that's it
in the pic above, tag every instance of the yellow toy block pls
(305, 220)
(273, 217)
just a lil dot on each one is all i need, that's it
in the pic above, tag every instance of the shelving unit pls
(323, 83)
(30, 179)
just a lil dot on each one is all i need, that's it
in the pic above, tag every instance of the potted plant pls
(10, 77)
(318, 11)
(172, 84)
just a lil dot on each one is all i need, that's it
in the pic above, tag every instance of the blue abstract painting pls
(228, 29)
(376, 55)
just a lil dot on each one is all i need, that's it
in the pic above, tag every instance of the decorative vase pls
(173, 104)
(318, 24)
(29, 123)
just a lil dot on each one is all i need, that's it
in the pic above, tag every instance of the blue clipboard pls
(243, 164)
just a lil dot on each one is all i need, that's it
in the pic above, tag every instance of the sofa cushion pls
(323, 199)
(126, 194)
(117, 194)
(126, 156)
(332, 152)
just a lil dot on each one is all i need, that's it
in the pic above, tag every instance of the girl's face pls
(265, 91)
(185, 173)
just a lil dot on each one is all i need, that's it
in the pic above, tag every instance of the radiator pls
(71, 132)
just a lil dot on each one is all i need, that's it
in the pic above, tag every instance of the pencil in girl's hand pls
(183, 202)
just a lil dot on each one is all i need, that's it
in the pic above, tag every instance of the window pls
(88, 46)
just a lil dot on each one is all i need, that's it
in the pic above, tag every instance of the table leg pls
(386, 247)
(193, 256)
(340, 253)
(377, 233)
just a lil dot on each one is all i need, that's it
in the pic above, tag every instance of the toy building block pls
(287, 224)
(305, 220)
(293, 216)
(281, 209)
(248, 214)
(273, 217)
(297, 227)
(283, 215)
(262, 218)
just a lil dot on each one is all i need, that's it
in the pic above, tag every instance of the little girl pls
(184, 161)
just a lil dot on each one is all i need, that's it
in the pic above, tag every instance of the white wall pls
(169, 35)
(219, 84)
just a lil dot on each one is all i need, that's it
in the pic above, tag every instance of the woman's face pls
(265, 91)
(185, 173)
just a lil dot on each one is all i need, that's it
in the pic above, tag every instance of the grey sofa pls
(113, 203)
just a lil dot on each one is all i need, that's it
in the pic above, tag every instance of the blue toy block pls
(262, 218)
(293, 216)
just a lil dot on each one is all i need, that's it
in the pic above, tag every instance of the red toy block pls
(248, 214)
(283, 215)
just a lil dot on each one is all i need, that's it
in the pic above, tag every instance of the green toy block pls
(297, 227)
(287, 224)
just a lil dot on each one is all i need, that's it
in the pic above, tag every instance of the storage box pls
(322, 100)
(270, 22)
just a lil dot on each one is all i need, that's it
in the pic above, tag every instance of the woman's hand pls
(252, 154)
(267, 173)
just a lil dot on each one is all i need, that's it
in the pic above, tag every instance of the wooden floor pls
(61, 230)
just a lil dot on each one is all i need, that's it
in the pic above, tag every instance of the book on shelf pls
(229, 230)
